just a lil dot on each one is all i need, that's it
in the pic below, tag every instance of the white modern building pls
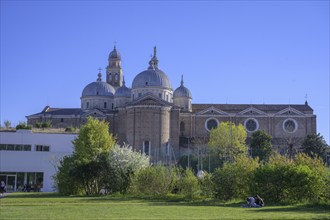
(30, 159)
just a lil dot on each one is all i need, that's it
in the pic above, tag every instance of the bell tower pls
(114, 71)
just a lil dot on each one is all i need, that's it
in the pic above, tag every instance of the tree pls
(85, 167)
(261, 145)
(228, 140)
(123, 163)
(93, 140)
(7, 123)
(23, 125)
(315, 145)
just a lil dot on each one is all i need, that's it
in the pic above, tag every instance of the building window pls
(110, 77)
(160, 95)
(211, 123)
(87, 104)
(182, 127)
(167, 150)
(104, 105)
(62, 120)
(146, 147)
(251, 125)
(15, 147)
(140, 94)
(112, 106)
(116, 77)
(42, 148)
(18, 147)
(290, 125)
(10, 147)
(27, 148)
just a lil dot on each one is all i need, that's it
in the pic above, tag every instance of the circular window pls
(251, 125)
(290, 125)
(211, 123)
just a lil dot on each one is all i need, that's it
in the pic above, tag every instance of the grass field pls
(53, 206)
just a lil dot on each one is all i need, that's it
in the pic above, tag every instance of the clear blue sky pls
(247, 52)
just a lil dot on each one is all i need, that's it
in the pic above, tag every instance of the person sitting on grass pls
(259, 201)
(250, 202)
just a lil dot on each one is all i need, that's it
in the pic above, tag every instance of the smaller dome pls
(114, 54)
(98, 88)
(123, 91)
(182, 91)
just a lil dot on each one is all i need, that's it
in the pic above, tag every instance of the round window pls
(290, 125)
(251, 125)
(211, 123)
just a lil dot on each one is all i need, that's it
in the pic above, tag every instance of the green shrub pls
(23, 125)
(188, 184)
(285, 181)
(38, 124)
(206, 185)
(233, 179)
(70, 129)
(46, 124)
(154, 181)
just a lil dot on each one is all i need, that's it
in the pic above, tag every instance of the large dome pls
(151, 77)
(98, 88)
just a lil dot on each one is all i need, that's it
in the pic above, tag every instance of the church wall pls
(112, 125)
(175, 131)
(149, 123)
(280, 132)
(121, 126)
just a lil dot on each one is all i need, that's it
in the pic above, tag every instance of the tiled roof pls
(235, 108)
(58, 111)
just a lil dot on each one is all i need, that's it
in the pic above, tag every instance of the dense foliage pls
(188, 185)
(315, 146)
(261, 145)
(155, 181)
(285, 180)
(98, 165)
(23, 125)
(228, 140)
(233, 179)
(44, 124)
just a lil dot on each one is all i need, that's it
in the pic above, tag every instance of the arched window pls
(110, 77)
(116, 77)
(146, 147)
(182, 127)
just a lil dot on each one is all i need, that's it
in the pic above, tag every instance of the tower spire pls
(181, 80)
(99, 76)
(153, 63)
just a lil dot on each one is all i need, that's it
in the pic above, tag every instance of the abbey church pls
(162, 121)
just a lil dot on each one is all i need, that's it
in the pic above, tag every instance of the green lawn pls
(53, 206)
